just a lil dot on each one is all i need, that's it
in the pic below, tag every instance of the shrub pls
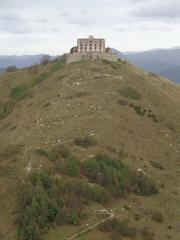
(56, 65)
(110, 173)
(20, 92)
(123, 102)
(42, 152)
(11, 69)
(45, 201)
(138, 109)
(144, 187)
(63, 151)
(39, 79)
(70, 167)
(147, 233)
(118, 227)
(53, 155)
(45, 59)
(157, 217)
(85, 142)
(117, 176)
(156, 164)
(6, 108)
(131, 93)
(153, 117)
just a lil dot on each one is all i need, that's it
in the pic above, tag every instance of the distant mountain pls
(19, 61)
(118, 53)
(173, 73)
(165, 62)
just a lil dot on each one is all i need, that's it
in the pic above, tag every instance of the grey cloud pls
(166, 10)
(13, 23)
(143, 28)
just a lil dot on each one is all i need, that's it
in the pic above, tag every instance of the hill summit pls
(93, 146)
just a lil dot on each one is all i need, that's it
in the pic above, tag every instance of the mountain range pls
(165, 62)
(19, 61)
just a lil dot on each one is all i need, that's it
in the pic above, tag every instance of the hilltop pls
(59, 121)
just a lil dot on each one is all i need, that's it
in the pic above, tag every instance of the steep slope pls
(132, 116)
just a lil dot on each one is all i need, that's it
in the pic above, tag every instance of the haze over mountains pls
(165, 62)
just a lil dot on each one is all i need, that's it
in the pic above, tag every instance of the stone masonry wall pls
(75, 57)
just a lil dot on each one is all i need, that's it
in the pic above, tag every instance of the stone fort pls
(90, 48)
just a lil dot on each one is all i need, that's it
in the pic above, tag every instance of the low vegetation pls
(157, 217)
(20, 92)
(43, 76)
(85, 142)
(143, 112)
(45, 201)
(157, 164)
(147, 233)
(6, 108)
(118, 229)
(130, 92)
(70, 167)
(55, 153)
(11, 69)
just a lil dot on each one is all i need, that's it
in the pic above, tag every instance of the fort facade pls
(90, 48)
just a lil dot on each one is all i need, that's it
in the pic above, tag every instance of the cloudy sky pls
(52, 26)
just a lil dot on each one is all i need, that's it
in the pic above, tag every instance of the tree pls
(45, 59)
(11, 69)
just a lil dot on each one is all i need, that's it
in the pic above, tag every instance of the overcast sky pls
(52, 26)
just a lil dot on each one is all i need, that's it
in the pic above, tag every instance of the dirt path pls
(90, 227)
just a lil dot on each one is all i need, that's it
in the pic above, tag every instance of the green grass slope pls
(90, 108)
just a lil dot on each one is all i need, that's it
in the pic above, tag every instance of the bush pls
(138, 109)
(45, 201)
(144, 187)
(118, 227)
(157, 217)
(39, 79)
(20, 92)
(63, 151)
(45, 59)
(131, 93)
(85, 142)
(6, 108)
(42, 152)
(147, 233)
(70, 167)
(55, 153)
(110, 173)
(117, 177)
(11, 69)
(156, 164)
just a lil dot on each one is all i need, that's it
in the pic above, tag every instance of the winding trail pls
(90, 227)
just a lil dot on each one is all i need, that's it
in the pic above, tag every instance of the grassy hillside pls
(51, 114)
